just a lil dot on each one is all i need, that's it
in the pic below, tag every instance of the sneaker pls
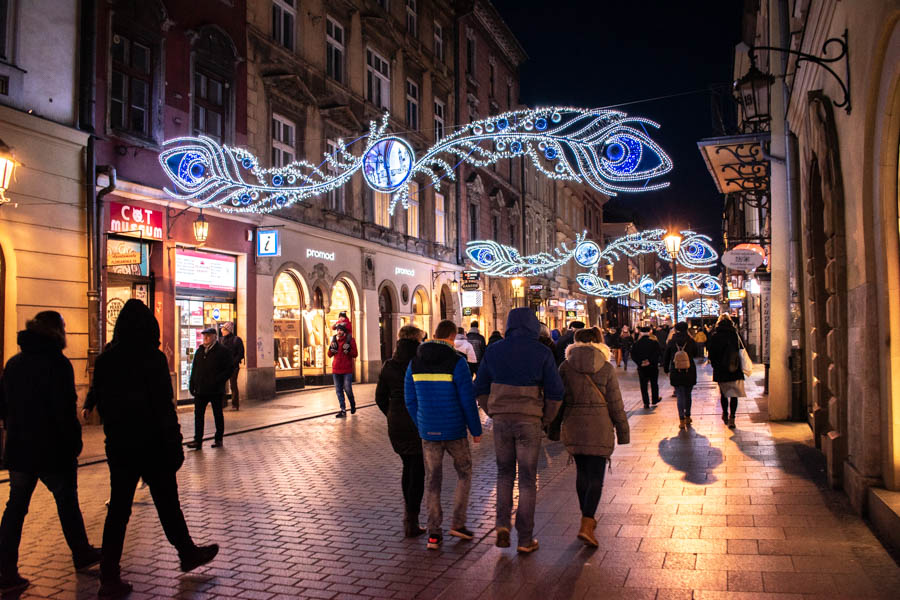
(114, 589)
(90, 558)
(194, 445)
(529, 547)
(199, 556)
(731, 424)
(13, 583)
(341, 415)
(434, 541)
(462, 532)
(217, 444)
(503, 537)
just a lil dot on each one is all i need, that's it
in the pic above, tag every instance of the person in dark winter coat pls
(479, 344)
(592, 408)
(565, 340)
(723, 349)
(38, 409)
(518, 385)
(554, 335)
(545, 338)
(212, 367)
(496, 336)
(645, 354)
(132, 392)
(440, 399)
(402, 430)
(683, 380)
(626, 341)
(235, 345)
(342, 352)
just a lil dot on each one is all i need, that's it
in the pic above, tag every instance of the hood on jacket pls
(680, 337)
(725, 325)
(461, 336)
(522, 322)
(406, 350)
(434, 352)
(32, 341)
(587, 358)
(136, 326)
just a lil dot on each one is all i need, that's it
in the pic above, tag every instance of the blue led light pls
(587, 254)
(502, 124)
(550, 153)
(247, 163)
(540, 124)
(246, 199)
(614, 152)
(515, 147)
(277, 180)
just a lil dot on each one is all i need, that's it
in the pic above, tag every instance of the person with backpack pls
(592, 410)
(478, 343)
(678, 363)
(724, 348)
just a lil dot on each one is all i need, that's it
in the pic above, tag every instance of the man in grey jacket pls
(518, 385)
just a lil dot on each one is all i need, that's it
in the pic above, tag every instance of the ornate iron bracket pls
(822, 61)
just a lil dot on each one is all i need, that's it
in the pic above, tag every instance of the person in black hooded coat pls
(402, 430)
(132, 391)
(38, 409)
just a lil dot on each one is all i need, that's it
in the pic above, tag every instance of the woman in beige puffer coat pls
(593, 409)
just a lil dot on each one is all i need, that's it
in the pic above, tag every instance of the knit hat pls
(229, 326)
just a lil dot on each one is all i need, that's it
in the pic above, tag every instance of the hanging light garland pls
(605, 149)
(701, 307)
(701, 283)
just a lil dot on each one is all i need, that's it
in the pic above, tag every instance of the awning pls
(736, 162)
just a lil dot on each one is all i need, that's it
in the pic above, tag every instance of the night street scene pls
(450, 299)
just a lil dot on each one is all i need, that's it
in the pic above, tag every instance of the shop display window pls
(288, 326)
(420, 308)
(193, 317)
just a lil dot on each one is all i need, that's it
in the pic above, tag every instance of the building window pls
(411, 17)
(439, 109)
(440, 219)
(493, 77)
(132, 86)
(470, 54)
(495, 226)
(378, 80)
(438, 41)
(473, 222)
(509, 96)
(4, 30)
(335, 195)
(210, 93)
(382, 203)
(513, 234)
(283, 16)
(283, 141)
(334, 39)
(412, 211)
(383, 4)
(412, 105)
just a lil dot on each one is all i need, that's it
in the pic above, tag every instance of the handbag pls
(746, 363)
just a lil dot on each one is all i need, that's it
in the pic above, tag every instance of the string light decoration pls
(701, 283)
(701, 307)
(606, 149)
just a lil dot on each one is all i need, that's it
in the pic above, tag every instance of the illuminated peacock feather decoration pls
(701, 307)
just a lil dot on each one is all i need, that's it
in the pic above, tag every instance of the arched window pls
(214, 60)
(421, 309)
(288, 326)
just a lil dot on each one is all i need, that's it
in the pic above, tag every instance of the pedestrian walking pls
(724, 355)
(402, 431)
(626, 342)
(565, 340)
(132, 391)
(464, 347)
(236, 346)
(700, 339)
(212, 367)
(342, 352)
(518, 386)
(592, 409)
(545, 338)
(645, 353)
(441, 400)
(613, 340)
(478, 342)
(678, 363)
(43, 441)
(496, 336)
(554, 335)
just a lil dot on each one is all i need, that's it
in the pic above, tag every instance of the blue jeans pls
(517, 442)
(683, 398)
(344, 383)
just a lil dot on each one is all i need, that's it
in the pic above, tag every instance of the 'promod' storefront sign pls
(205, 270)
(134, 220)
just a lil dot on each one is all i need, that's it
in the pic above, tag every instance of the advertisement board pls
(127, 219)
(205, 270)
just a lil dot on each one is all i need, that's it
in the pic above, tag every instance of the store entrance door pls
(195, 315)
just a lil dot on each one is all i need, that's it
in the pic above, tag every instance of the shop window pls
(421, 309)
(288, 326)
(378, 80)
(284, 15)
(412, 211)
(440, 219)
(334, 49)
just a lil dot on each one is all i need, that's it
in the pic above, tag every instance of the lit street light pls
(673, 246)
(517, 284)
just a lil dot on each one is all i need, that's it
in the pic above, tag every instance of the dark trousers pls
(235, 392)
(651, 375)
(413, 482)
(200, 402)
(589, 474)
(164, 490)
(724, 401)
(683, 395)
(517, 443)
(64, 487)
(626, 356)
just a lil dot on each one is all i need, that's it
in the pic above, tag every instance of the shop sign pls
(742, 260)
(467, 311)
(536, 287)
(471, 280)
(474, 299)
(765, 315)
(571, 305)
(736, 294)
(268, 242)
(134, 220)
(554, 302)
(205, 270)
(404, 271)
(311, 253)
(570, 314)
(735, 304)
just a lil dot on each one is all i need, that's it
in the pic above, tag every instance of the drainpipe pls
(95, 250)
(86, 122)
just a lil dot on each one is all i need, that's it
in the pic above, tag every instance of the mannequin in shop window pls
(235, 345)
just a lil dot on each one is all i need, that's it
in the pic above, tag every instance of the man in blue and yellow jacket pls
(441, 401)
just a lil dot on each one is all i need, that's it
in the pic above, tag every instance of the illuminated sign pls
(134, 220)
(310, 253)
(473, 299)
(387, 164)
(204, 270)
(402, 271)
(268, 242)
(736, 294)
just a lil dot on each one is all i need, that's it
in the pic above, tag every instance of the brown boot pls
(586, 534)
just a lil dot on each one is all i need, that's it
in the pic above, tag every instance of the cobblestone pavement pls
(312, 509)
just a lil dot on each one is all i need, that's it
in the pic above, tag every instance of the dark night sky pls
(595, 53)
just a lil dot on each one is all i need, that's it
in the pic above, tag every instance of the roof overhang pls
(737, 163)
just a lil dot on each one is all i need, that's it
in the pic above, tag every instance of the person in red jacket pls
(342, 350)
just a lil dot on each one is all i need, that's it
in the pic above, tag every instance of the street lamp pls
(7, 167)
(752, 92)
(517, 283)
(673, 246)
(201, 228)
(454, 285)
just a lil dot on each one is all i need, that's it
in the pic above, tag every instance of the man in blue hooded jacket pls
(440, 399)
(518, 385)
